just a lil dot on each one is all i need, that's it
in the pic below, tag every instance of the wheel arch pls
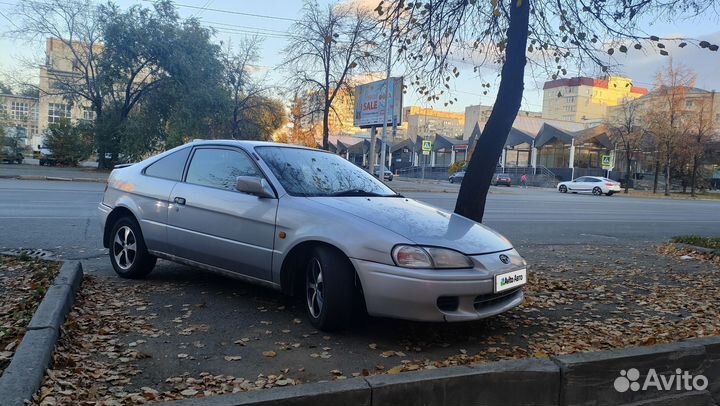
(116, 213)
(291, 275)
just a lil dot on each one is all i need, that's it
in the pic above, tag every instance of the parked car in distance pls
(457, 177)
(310, 223)
(46, 157)
(9, 155)
(501, 179)
(590, 184)
(388, 175)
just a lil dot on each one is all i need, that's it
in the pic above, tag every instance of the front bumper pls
(412, 294)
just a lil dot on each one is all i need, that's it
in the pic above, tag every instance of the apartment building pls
(20, 114)
(420, 121)
(584, 99)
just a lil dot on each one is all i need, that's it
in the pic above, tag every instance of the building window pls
(570, 108)
(19, 110)
(717, 116)
(56, 111)
(570, 99)
(88, 114)
(570, 90)
(688, 103)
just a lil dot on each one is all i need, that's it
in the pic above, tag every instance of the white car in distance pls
(590, 184)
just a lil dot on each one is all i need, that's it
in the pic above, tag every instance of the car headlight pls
(411, 256)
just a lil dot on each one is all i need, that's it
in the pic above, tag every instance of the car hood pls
(421, 223)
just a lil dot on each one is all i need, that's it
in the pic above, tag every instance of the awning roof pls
(548, 133)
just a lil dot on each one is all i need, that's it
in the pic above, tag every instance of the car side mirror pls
(254, 185)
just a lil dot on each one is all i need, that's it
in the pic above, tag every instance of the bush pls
(69, 144)
(457, 167)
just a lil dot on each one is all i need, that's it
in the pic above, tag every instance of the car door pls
(152, 196)
(592, 183)
(576, 184)
(210, 222)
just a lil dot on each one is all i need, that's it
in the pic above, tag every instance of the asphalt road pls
(61, 217)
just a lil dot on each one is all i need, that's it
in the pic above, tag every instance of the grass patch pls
(705, 242)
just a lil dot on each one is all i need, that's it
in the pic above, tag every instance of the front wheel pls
(128, 253)
(597, 191)
(562, 189)
(328, 289)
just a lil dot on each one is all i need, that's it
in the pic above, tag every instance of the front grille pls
(493, 298)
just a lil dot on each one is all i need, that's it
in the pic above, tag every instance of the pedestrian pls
(524, 180)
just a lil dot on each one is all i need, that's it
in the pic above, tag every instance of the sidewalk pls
(36, 172)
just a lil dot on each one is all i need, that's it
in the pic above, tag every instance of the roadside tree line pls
(152, 79)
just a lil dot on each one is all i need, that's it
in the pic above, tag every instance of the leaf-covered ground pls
(23, 283)
(191, 334)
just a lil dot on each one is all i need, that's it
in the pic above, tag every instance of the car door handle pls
(179, 200)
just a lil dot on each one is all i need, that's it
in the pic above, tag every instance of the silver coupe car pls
(309, 223)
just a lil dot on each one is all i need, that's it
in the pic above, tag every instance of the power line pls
(233, 12)
(246, 27)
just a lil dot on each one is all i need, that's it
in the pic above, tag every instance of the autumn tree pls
(328, 44)
(437, 37)
(298, 134)
(701, 133)
(667, 118)
(625, 132)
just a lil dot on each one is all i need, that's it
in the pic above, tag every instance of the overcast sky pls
(278, 15)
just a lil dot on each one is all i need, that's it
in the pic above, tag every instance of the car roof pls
(248, 144)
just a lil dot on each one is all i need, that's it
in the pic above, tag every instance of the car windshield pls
(307, 172)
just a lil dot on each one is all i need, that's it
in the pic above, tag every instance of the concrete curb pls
(24, 375)
(569, 380)
(696, 248)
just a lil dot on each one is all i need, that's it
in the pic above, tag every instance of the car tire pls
(42, 163)
(128, 254)
(609, 193)
(329, 286)
(597, 191)
(452, 180)
(562, 189)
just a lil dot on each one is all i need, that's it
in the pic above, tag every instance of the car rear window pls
(170, 166)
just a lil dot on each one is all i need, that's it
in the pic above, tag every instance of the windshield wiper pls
(358, 192)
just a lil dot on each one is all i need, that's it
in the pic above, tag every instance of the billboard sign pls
(370, 103)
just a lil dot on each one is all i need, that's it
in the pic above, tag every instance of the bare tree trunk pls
(693, 176)
(657, 175)
(667, 174)
(627, 168)
(474, 188)
(326, 127)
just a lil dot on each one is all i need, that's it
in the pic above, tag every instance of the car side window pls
(593, 180)
(218, 168)
(170, 166)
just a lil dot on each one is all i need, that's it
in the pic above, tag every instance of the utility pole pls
(381, 173)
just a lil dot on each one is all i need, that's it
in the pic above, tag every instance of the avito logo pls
(681, 380)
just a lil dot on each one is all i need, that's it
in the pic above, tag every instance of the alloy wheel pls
(315, 287)
(597, 191)
(125, 247)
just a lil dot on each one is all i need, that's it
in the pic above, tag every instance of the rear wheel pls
(609, 193)
(562, 189)
(597, 191)
(329, 292)
(452, 180)
(128, 253)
